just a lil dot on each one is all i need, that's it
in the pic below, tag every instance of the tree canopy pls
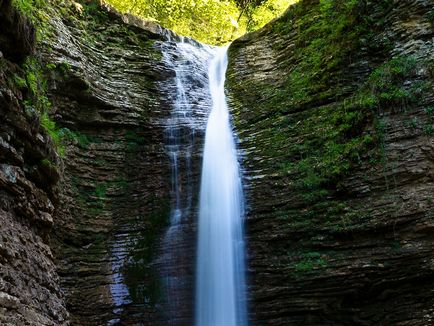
(209, 21)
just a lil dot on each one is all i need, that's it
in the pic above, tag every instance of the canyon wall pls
(333, 105)
(30, 292)
(114, 97)
(83, 227)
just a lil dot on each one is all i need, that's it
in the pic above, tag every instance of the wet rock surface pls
(104, 206)
(115, 183)
(361, 255)
(29, 284)
(115, 100)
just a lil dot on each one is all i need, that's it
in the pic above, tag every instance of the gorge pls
(332, 104)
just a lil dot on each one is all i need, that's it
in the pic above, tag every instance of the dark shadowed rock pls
(17, 37)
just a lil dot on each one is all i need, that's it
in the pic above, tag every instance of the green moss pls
(133, 140)
(36, 102)
(326, 40)
(39, 12)
(46, 162)
(428, 129)
(64, 67)
(54, 133)
(334, 136)
(386, 83)
(19, 81)
(100, 191)
(316, 125)
(309, 261)
(92, 11)
(50, 66)
(83, 140)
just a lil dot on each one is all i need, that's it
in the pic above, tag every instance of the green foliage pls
(318, 147)
(387, 81)
(430, 110)
(327, 38)
(330, 154)
(39, 13)
(310, 261)
(54, 132)
(100, 191)
(82, 140)
(133, 140)
(19, 81)
(209, 21)
(428, 129)
(35, 80)
(259, 15)
(34, 76)
(51, 66)
(37, 100)
(63, 67)
(93, 11)
(46, 162)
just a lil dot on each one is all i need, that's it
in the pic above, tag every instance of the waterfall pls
(198, 109)
(220, 293)
(189, 102)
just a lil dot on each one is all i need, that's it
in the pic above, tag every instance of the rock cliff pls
(333, 105)
(83, 228)
(113, 97)
(30, 292)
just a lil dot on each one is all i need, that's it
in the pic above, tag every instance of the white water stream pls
(220, 283)
(196, 93)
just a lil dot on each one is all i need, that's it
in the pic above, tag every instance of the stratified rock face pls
(17, 37)
(334, 108)
(336, 135)
(29, 285)
(115, 197)
(110, 194)
(113, 94)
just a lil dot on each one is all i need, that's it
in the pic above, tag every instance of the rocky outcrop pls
(17, 36)
(333, 107)
(108, 194)
(115, 183)
(102, 78)
(29, 285)
(112, 95)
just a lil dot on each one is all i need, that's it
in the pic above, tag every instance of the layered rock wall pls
(115, 198)
(333, 108)
(113, 95)
(30, 292)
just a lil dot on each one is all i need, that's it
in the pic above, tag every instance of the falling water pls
(220, 293)
(195, 93)
(189, 103)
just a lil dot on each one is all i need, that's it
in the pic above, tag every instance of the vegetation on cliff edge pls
(317, 122)
(209, 21)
